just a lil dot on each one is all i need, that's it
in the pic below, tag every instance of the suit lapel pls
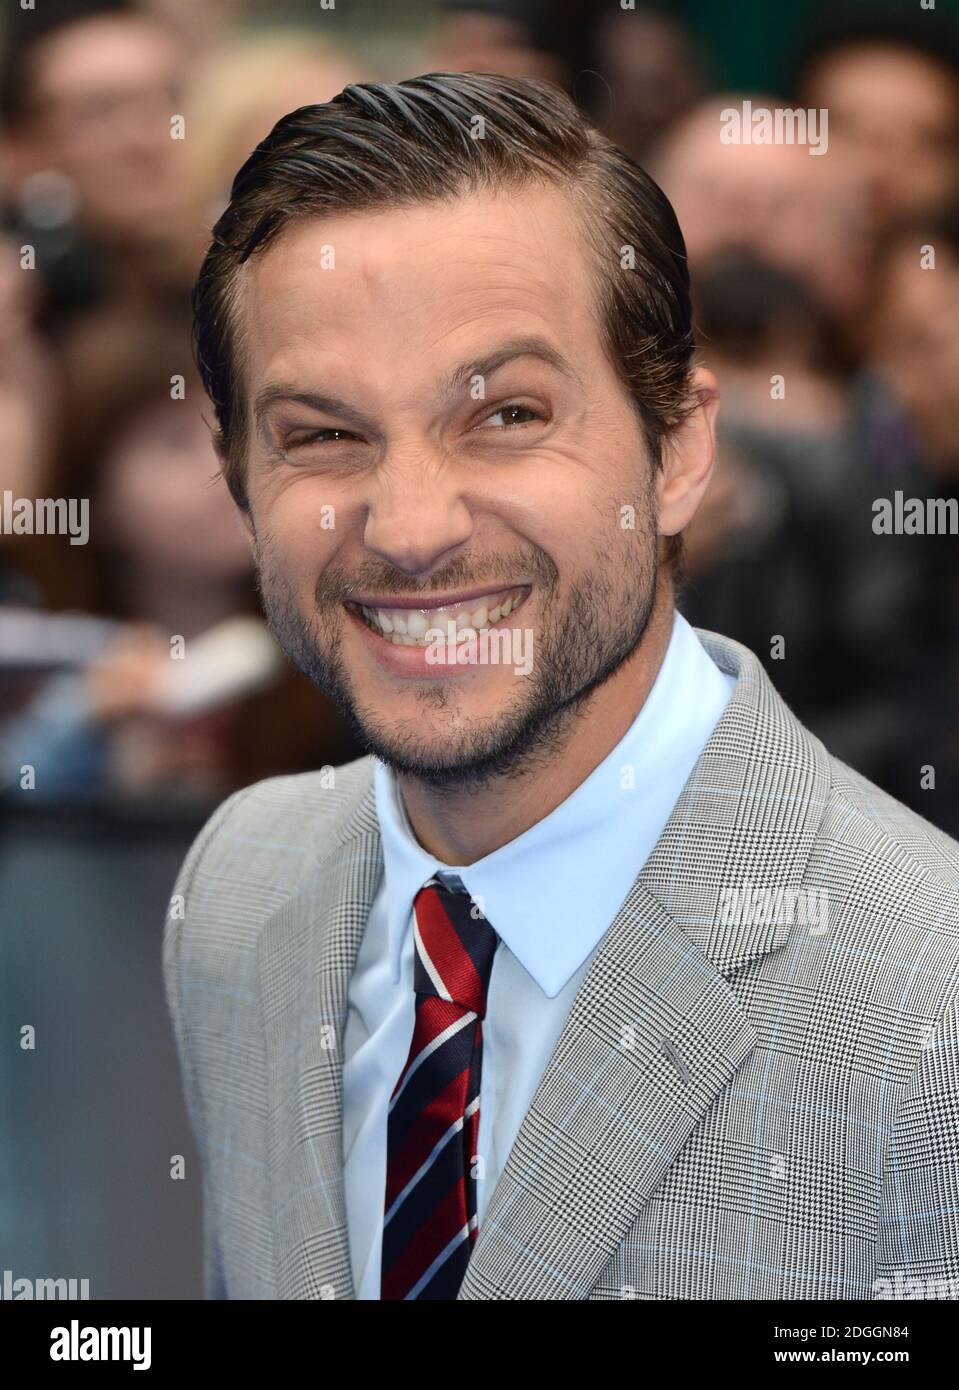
(656, 1032)
(306, 956)
(653, 1036)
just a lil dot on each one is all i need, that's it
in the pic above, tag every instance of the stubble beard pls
(577, 649)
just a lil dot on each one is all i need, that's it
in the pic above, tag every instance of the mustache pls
(335, 586)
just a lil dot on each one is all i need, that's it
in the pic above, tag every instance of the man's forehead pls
(529, 233)
(101, 47)
(436, 270)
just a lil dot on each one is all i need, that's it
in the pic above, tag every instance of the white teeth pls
(408, 627)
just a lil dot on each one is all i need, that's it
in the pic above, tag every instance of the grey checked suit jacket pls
(736, 1108)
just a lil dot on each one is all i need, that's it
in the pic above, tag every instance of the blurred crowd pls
(826, 291)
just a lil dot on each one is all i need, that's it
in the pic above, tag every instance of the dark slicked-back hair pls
(432, 139)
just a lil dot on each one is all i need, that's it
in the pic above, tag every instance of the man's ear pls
(244, 511)
(689, 453)
(246, 516)
(247, 519)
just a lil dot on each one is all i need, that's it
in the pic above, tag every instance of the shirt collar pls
(552, 892)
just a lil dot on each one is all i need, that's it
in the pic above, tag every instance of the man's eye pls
(508, 414)
(323, 436)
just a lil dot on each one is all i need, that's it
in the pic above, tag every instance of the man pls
(891, 87)
(88, 90)
(599, 978)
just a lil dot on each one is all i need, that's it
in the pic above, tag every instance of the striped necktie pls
(430, 1223)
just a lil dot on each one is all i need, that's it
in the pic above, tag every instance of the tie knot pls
(455, 945)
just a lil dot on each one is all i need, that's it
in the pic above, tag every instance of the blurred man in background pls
(891, 87)
(96, 178)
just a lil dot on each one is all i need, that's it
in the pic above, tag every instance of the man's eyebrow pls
(276, 391)
(525, 346)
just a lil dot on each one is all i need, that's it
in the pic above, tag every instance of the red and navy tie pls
(429, 1224)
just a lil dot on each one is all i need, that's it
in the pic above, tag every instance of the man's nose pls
(415, 518)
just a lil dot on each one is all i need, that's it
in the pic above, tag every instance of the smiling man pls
(597, 977)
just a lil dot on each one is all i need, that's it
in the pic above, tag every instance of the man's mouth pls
(407, 627)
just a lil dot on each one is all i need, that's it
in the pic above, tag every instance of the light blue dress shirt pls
(550, 894)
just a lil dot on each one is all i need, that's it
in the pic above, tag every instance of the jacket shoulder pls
(863, 824)
(289, 814)
(257, 847)
(879, 822)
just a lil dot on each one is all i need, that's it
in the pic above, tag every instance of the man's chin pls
(446, 758)
(435, 758)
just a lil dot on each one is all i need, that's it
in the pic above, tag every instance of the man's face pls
(794, 210)
(103, 92)
(467, 456)
(893, 117)
(913, 343)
